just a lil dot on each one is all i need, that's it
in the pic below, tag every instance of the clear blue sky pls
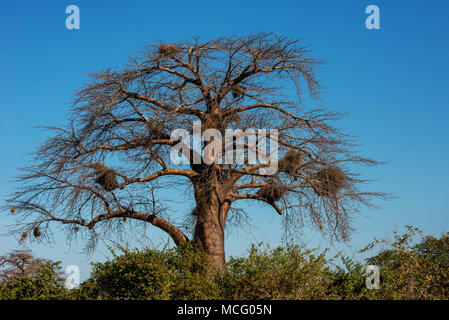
(393, 82)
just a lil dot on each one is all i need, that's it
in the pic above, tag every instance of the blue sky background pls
(393, 82)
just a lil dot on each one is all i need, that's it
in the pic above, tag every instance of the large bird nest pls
(36, 232)
(106, 177)
(273, 191)
(291, 162)
(168, 49)
(330, 181)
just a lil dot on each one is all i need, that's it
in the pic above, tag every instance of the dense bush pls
(282, 273)
(409, 269)
(178, 273)
(412, 270)
(44, 283)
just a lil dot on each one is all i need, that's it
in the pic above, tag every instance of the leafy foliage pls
(282, 273)
(178, 273)
(411, 270)
(38, 280)
(412, 266)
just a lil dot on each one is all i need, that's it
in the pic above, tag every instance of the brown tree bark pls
(209, 235)
(211, 213)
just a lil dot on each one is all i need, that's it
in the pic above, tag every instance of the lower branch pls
(175, 233)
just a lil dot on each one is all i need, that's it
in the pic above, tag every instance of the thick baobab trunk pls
(209, 229)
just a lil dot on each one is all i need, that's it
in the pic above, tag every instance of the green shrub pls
(412, 266)
(412, 269)
(178, 273)
(282, 273)
(43, 284)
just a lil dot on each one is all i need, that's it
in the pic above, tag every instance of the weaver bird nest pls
(272, 192)
(291, 162)
(168, 49)
(106, 177)
(23, 236)
(37, 232)
(330, 181)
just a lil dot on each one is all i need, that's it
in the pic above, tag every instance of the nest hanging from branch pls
(167, 49)
(330, 181)
(23, 237)
(37, 232)
(272, 192)
(106, 177)
(291, 162)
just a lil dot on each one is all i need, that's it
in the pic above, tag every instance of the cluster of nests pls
(36, 233)
(274, 190)
(327, 181)
(106, 177)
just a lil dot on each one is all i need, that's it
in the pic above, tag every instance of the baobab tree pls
(108, 164)
(20, 262)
